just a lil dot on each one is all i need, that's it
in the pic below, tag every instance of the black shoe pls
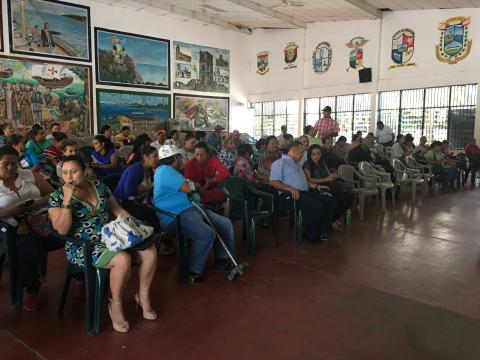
(323, 238)
(223, 265)
(312, 239)
(196, 278)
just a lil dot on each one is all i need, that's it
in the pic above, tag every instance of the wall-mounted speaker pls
(365, 75)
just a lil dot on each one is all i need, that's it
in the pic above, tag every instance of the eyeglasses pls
(70, 172)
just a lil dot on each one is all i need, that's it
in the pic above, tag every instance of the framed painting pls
(1, 28)
(49, 28)
(201, 68)
(42, 92)
(192, 112)
(125, 59)
(142, 112)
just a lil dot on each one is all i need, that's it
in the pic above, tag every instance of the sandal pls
(120, 327)
(148, 315)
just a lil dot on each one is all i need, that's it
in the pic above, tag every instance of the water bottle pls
(348, 217)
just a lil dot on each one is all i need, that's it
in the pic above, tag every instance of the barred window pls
(270, 116)
(439, 113)
(352, 112)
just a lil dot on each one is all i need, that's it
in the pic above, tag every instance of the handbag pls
(124, 232)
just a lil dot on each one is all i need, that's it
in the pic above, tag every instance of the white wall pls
(428, 71)
(172, 28)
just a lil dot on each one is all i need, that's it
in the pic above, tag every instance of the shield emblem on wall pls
(322, 57)
(454, 43)
(403, 43)
(355, 59)
(290, 55)
(262, 63)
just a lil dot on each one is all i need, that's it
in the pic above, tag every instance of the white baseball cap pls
(167, 150)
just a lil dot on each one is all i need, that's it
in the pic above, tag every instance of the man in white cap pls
(170, 193)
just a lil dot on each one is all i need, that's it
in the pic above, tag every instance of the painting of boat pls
(51, 76)
(49, 28)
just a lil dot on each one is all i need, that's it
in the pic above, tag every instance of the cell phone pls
(29, 202)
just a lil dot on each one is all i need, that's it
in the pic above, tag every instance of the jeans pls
(449, 174)
(194, 227)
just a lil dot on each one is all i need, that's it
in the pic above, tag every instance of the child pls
(53, 153)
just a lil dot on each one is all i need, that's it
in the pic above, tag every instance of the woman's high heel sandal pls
(120, 327)
(148, 315)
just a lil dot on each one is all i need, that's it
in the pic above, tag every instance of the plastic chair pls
(363, 187)
(111, 181)
(409, 177)
(9, 234)
(182, 242)
(242, 195)
(425, 171)
(384, 182)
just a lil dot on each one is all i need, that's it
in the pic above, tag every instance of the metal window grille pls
(352, 112)
(270, 116)
(439, 113)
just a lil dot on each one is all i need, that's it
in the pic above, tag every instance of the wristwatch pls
(65, 206)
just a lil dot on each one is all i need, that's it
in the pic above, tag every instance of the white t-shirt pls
(27, 189)
(384, 135)
(397, 151)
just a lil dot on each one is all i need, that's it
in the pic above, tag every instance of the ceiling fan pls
(286, 3)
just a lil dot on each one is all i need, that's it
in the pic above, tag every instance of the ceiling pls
(245, 15)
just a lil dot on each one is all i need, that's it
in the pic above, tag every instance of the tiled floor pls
(400, 285)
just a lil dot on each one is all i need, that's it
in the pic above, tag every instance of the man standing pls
(170, 194)
(326, 127)
(287, 176)
(384, 134)
(215, 139)
(280, 138)
(47, 39)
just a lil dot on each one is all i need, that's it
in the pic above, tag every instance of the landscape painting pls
(132, 60)
(42, 92)
(201, 68)
(49, 28)
(142, 112)
(199, 112)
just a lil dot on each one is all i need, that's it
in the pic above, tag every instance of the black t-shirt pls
(359, 153)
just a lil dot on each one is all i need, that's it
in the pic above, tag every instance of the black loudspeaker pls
(365, 75)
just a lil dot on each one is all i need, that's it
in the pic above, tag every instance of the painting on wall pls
(42, 92)
(355, 58)
(322, 57)
(203, 113)
(1, 28)
(262, 63)
(454, 44)
(290, 53)
(49, 28)
(403, 46)
(201, 68)
(125, 59)
(142, 112)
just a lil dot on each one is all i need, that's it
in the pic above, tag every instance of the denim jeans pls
(194, 227)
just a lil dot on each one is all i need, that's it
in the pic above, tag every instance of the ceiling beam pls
(365, 6)
(269, 12)
(175, 9)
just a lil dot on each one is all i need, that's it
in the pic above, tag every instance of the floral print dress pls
(87, 223)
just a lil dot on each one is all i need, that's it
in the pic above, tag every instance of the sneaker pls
(31, 302)
(196, 278)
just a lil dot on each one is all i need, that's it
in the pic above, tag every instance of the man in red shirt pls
(207, 172)
(473, 154)
(326, 127)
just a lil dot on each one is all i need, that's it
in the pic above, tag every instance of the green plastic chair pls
(242, 196)
(182, 242)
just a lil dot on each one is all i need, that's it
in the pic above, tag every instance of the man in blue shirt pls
(170, 193)
(287, 176)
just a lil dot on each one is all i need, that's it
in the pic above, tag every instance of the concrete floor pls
(400, 285)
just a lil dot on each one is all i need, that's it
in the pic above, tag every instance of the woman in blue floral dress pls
(80, 209)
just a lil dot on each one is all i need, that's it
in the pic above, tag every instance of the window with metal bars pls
(270, 116)
(439, 113)
(352, 112)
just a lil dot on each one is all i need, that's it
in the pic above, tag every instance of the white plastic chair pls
(425, 171)
(407, 177)
(363, 187)
(384, 182)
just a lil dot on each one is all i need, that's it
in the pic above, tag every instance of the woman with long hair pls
(104, 157)
(81, 208)
(317, 172)
(138, 144)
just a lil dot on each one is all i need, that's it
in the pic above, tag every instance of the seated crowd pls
(40, 172)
